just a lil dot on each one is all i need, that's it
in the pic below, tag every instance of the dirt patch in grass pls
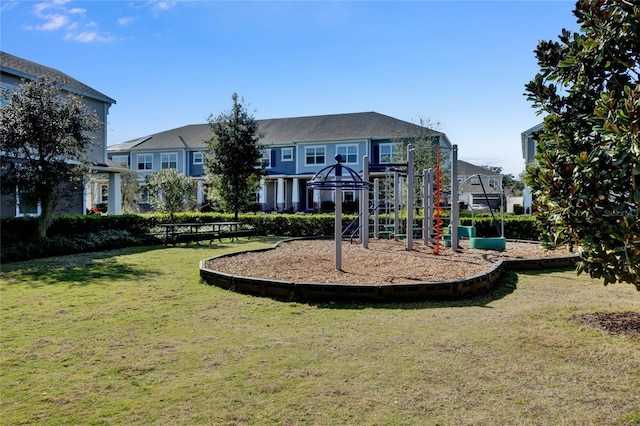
(618, 323)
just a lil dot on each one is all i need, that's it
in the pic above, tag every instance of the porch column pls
(200, 193)
(280, 195)
(295, 194)
(115, 195)
(316, 199)
(262, 194)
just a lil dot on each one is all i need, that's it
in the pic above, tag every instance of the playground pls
(384, 262)
(399, 246)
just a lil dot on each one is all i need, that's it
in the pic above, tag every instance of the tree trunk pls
(46, 214)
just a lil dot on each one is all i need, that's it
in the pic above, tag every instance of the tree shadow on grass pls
(81, 269)
(555, 272)
(507, 285)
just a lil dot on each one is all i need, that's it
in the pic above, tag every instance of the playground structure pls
(338, 177)
(323, 181)
(488, 243)
(427, 197)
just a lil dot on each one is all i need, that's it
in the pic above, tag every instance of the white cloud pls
(7, 5)
(89, 37)
(124, 21)
(160, 6)
(53, 22)
(58, 15)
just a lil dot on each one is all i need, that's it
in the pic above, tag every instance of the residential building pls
(15, 70)
(479, 186)
(528, 154)
(295, 149)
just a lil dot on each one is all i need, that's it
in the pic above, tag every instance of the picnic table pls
(175, 233)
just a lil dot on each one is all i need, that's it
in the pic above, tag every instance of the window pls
(314, 155)
(348, 196)
(120, 159)
(475, 181)
(387, 152)
(265, 160)
(198, 158)
(169, 160)
(5, 92)
(144, 195)
(145, 161)
(104, 193)
(287, 154)
(349, 153)
(26, 206)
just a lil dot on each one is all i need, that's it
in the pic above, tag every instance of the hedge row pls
(76, 233)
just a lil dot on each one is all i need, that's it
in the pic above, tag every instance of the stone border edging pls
(456, 289)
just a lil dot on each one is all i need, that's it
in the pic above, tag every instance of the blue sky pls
(459, 65)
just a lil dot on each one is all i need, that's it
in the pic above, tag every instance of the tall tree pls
(169, 190)
(233, 163)
(45, 135)
(587, 178)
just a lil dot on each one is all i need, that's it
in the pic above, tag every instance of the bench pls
(236, 233)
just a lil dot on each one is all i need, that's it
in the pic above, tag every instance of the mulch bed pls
(618, 323)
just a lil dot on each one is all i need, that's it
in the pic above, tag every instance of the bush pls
(63, 245)
(515, 227)
(76, 233)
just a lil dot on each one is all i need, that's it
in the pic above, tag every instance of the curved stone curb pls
(456, 289)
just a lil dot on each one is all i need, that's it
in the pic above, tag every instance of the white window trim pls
(347, 146)
(266, 158)
(307, 148)
(138, 156)
(201, 155)
(391, 146)
(115, 158)
(283, 158)
(169, 161)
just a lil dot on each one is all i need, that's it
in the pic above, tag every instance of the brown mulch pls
(385, 261)
(617, 323)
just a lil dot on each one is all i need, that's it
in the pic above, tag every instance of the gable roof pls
(286, 131)
(468, 169)
(23, 68)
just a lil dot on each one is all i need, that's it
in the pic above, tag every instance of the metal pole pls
(410, 188)
(427, 177)
(376, 202)
(454, 198)
(338, 220)
(364, 202)
(396, 203)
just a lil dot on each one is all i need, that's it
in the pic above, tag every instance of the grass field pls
(133, 337)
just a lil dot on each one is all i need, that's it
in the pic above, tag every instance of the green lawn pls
(133, 337)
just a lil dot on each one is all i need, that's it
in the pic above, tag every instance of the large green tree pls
(45, 135)
(587, 178)
(233, 163)
(169, 191)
